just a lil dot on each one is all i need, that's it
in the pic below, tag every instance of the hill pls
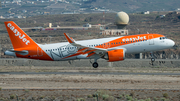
(136, 5)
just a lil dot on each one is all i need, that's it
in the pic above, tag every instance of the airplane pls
(111, 49)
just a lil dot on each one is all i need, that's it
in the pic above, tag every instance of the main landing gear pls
(95, 64)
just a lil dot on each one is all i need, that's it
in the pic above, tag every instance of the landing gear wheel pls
(152, 59)
(95, 64)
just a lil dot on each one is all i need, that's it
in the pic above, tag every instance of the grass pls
(12, 96)
(104, 95)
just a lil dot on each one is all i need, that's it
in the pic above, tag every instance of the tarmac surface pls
(86, 63)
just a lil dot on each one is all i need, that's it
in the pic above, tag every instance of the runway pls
(84, 73)
(173, 63)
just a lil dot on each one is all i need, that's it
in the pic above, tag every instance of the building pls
(114, 32)
(146, 12)
(16, 0)
(1, 17)
(87, 25)
(162, 16)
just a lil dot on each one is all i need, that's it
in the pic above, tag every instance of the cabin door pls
(39, 52)
(151, 40)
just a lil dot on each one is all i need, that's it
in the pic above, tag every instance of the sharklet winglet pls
(68, 38)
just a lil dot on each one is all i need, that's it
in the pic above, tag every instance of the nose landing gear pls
(152, 57)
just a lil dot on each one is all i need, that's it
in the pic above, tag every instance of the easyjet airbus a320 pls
(111, 49)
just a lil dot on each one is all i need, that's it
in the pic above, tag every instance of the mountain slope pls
(137, 5)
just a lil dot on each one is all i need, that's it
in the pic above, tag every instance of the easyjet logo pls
(135, 38)
(18, 34)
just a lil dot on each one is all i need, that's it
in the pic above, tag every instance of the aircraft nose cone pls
(171, 43)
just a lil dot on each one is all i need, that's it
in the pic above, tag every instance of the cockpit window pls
(162, 38)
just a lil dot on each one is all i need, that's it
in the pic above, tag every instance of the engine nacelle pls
(115, 55)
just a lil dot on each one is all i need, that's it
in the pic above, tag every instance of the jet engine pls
(115, 55)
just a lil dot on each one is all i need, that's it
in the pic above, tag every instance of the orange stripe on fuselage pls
(90, 54)
(89, 51)
(76, 54)
(128, 40)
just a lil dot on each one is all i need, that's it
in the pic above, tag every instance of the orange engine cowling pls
(115, 55)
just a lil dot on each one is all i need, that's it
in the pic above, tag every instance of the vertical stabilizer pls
(18, 37)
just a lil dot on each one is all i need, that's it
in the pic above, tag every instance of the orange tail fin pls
(18, 37)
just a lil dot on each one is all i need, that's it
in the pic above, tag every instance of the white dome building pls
(121, 20)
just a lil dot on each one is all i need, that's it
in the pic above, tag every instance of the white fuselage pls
(57, 51)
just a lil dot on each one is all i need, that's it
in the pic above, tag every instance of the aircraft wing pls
(86, 50)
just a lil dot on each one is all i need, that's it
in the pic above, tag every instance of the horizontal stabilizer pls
(12, 51)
